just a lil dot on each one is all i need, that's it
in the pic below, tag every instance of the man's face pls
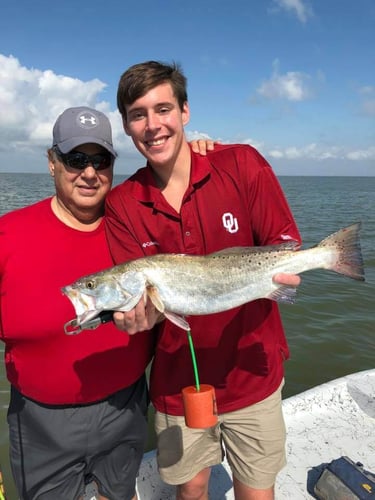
(82, 189)
(156, 123)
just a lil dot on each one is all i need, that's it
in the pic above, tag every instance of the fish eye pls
(90, 284)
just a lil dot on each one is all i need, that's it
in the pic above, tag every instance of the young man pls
(183, 203)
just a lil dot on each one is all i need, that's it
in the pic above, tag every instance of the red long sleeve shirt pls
(233, 199)
(38, 255)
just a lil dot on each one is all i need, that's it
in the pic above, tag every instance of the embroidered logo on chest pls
(230, 222)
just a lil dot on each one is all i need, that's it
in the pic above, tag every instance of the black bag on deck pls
(343, 479)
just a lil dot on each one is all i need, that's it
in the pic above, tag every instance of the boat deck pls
(323, 423)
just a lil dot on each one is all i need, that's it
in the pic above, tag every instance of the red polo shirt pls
(233, 199)
(39, 254)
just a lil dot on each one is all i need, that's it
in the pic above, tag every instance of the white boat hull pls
(323, 423)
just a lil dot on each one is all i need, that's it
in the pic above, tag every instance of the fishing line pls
(2, 487)
(199, 401)
(195, 367)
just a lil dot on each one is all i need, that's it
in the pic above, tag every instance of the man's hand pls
(201, 146)
(287, 279)
(142, 317)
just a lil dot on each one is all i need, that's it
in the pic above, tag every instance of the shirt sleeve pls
(121, 235)
(271, 216)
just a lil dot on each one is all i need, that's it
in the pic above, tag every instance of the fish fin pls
(288, 245)
(177, 320)
(346, 244)
(130, 303)
(153, 294)
(284, 294)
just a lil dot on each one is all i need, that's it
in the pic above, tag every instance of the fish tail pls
(347, 248)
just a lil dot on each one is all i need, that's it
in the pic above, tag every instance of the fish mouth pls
(84, 305)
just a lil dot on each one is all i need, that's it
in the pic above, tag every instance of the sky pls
(293, 78)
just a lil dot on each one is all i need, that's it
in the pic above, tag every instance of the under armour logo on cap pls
(82, 125)
(87, 119)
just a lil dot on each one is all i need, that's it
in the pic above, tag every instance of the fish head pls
(104, 291)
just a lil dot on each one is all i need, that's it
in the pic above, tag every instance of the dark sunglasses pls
(79, 160)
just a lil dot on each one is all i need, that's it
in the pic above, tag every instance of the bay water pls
(330, 328)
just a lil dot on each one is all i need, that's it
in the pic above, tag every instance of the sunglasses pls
(79, 161)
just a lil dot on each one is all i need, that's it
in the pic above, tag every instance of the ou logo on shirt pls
(230, 223)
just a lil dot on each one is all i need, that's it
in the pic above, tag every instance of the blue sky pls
(294, 78)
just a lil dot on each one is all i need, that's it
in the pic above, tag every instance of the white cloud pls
(192, 135)
(310, 151)
(31, 99)
(318, 153)
(298, 7)
(363, 154)
(292, 86)
(307, 152)
(256, 144)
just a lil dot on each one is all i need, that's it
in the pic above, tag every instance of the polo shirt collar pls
(200, 168)
(145, 189)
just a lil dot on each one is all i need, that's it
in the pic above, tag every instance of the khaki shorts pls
(253, 439)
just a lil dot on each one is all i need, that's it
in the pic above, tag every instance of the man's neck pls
(173, 180)
(81, 219)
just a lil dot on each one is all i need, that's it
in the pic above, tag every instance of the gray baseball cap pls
(82, 125)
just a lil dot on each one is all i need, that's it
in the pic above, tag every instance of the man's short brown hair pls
(140, 78)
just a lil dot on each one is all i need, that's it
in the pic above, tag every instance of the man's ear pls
(185, 113)
(51, 163)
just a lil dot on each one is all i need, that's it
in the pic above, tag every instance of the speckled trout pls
(181, 285)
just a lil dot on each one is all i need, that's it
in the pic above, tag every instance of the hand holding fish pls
(142, 317)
